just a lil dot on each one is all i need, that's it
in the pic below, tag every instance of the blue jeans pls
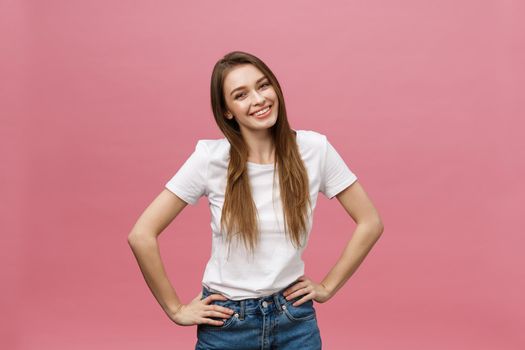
(265, 323)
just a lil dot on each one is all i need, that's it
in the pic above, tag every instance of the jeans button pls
(265, 304)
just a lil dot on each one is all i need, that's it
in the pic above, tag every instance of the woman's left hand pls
(308, 289)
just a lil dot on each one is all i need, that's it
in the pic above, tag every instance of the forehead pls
(243, 75)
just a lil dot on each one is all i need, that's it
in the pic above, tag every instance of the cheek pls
(272, 95)
(244, 108)
(241, 109)
(238, 106)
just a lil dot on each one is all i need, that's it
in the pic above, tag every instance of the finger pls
(302, 300)
(223, 309)
(292, 291)
(212, 322)
(217, 313)
(292, 288)
(219, 296)
(212, 297)
(288, 292)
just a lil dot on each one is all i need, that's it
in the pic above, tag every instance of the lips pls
(269, 106)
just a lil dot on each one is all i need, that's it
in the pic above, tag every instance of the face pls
(247, 91)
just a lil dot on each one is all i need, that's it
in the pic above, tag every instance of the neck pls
(261, 148)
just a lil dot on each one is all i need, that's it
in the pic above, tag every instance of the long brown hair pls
(239, 211)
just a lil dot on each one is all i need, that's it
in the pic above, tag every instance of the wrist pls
(173, 309)
(329, 290)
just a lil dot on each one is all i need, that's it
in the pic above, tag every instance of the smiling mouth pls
(262, 111)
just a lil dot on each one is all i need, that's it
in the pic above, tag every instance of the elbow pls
(131, 238)
(377, 226)
(134, 238)
(141, 237)
(380, 228)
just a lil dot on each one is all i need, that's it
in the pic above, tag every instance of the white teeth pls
(263, 111)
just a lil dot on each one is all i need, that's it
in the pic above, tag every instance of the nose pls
(258, 98)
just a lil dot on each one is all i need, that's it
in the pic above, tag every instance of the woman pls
(262, 182)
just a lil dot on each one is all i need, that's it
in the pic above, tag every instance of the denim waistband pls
(265, 304)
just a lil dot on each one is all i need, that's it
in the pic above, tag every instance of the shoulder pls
(311, 138)
(215, 148)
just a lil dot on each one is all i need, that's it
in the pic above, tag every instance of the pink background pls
(102, 101)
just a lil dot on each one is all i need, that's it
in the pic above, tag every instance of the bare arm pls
(143, 242)
(369, 228)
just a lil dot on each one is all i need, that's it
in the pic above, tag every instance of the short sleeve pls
(335, 174)
(189, 183)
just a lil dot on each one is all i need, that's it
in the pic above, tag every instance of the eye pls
(262, 85)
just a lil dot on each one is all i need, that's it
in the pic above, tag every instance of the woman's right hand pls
(198, 311)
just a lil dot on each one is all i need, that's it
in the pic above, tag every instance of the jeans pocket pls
(303, 312)
(227, 322)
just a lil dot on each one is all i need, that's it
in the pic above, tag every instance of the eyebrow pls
(242, 87)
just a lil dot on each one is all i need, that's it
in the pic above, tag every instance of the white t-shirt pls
(276, 262)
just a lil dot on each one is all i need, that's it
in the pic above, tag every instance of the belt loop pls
(243, 303)
(276, 300)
